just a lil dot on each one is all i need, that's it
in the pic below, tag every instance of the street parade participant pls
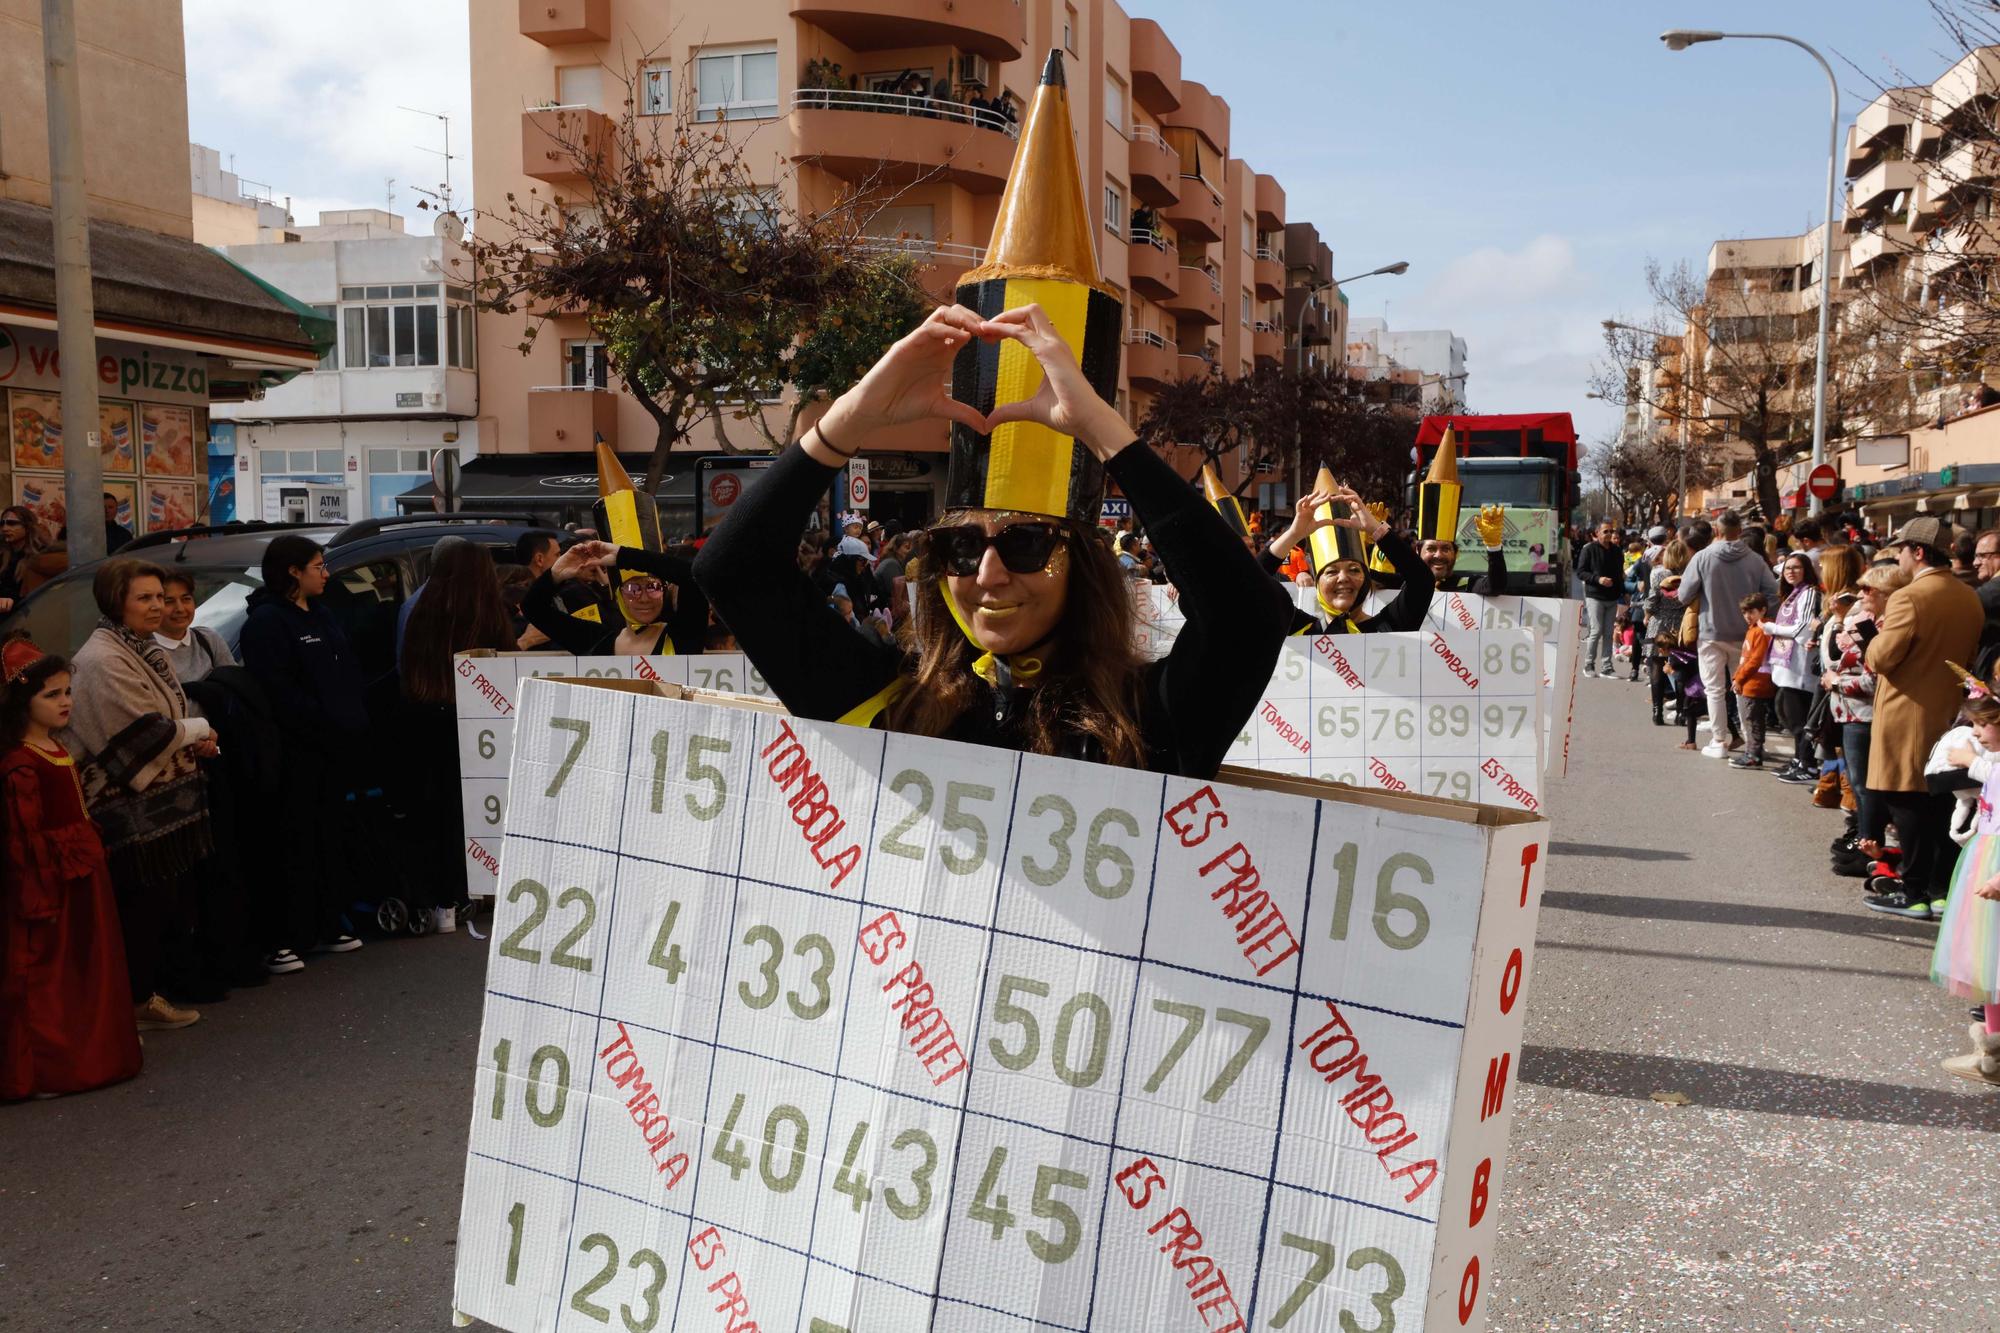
(1437, 527)
(651, 625)
(1024, 637)
(1336, 523)
(65, 1016)
(1966, 958)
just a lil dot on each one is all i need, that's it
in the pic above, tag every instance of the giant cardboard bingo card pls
(792, 1025)
(487, 687)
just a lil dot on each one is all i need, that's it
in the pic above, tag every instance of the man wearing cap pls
(1722, 574)
(1933, 621)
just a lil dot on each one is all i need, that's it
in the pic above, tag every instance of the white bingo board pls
(488, 689)
(809, 1027)
(1559, 622)
(1445, 713)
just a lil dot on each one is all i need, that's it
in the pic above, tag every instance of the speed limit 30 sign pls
(857, 485)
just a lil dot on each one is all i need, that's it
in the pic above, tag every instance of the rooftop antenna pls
(392, 194)
(443, 193)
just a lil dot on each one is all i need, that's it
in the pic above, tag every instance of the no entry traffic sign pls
(1824, 482)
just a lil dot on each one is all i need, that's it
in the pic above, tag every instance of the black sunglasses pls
(1024, 548)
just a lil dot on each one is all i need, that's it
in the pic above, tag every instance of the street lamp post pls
(1679, 39)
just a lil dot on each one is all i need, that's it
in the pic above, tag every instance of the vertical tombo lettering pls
(621, 1065)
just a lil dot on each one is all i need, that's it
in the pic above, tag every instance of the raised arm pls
(565, 631)
(1413, 602)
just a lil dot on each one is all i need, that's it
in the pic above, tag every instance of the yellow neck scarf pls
(1020, 669)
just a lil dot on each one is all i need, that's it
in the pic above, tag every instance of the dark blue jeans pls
(1871, 818)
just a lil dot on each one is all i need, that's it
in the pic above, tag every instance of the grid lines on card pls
(995, 931)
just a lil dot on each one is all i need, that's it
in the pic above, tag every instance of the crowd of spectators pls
(1875, 658)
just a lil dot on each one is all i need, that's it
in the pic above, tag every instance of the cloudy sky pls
(1525, 157)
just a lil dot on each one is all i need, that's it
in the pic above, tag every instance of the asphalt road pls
(294, 1160)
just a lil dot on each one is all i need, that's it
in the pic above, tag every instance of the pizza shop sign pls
(29, 360)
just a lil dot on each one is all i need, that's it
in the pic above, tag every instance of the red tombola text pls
(926, 1030)
(732, 1304)
(622, 1067)
(1334, 1052)
(1261, 930)
(810, 803)
(1207, 1284)
(1288, 733)
(481, 857)
(1454, 662)
(1458, 608)
(1390, 782)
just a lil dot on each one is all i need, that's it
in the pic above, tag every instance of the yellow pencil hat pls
(1043, 251)
(624, 514)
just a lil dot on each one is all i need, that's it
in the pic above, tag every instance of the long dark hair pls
(16, 694)
(10, 560)
(282, 556)
(1091, 682)
(460, 608)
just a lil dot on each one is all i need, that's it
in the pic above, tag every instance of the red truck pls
(1528, 464)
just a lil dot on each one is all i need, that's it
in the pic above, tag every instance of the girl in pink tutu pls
(1966, 960)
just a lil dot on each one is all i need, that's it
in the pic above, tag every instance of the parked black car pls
(375, 564)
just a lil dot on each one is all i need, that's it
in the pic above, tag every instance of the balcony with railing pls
(1199, 298)
(1270, 200)
(558, 141)
(1150, 360)
(1267, 270)
(996, 29)
(1267, 342)
(566, 22)
(897, 138)
(1156, 167)
(1879, 185)
(1194, 365)
(938, 264)
(1197, 214)
(1153, 265)
(565, 418)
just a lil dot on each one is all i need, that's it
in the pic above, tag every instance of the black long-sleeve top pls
(1407, 612)
(1493, 583)
(685, 625)
(1192, 703)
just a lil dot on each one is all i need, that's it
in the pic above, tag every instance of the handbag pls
(1691, 624)
(1819, 723)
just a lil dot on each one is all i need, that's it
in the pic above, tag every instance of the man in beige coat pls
(1936, 619)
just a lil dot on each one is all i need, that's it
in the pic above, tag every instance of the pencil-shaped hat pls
(1438, 493)
(1331, 544)
(624, 515)
(1043, 251)
(1225, 504)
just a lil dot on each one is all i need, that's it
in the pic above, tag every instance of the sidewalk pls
(1824, 1173)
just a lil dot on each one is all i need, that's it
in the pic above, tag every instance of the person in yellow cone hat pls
(660, 610)
(1336, 522)
(1438, 516)
(1023, 633)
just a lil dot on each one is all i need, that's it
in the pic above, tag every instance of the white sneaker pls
(1714, 750)
(283, 961)
(1703, 724)
(338, 944)
(444, 920)
(1590, 673)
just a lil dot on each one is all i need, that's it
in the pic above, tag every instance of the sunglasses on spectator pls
(1025, 548)
(642, 587)
(12, 523)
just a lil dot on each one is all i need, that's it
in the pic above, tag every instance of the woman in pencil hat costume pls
(1341, 530)
(1024, 636)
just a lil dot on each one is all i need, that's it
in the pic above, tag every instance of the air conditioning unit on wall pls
(974, 71)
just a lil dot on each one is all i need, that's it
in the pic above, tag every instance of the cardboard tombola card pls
(828, 1028)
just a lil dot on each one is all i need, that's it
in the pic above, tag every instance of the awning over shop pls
(164, 291)
(563, 486)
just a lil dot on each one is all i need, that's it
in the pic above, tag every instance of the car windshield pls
(63, 614)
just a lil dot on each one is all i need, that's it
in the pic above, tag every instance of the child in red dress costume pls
(65, 1005)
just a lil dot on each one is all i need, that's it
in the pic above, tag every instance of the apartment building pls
(179, 328)
(400, 382)
(842, 97)
(1437, 356)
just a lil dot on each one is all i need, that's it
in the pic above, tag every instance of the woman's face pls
(312, 576)
(1008, 611)
(643, 596)
(50, 707)
(13, 528)
(1876, 600)
(1341, 582)
(145, 605)
(1795, 571)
